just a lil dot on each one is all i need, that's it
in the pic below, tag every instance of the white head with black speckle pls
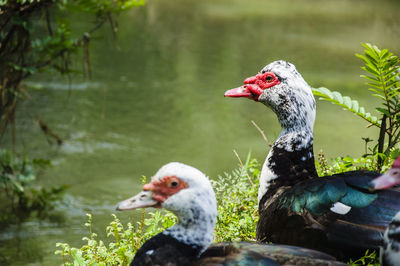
(185, 191)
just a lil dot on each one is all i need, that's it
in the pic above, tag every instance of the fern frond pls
(345, 102)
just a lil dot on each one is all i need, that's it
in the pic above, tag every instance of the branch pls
(262, 133)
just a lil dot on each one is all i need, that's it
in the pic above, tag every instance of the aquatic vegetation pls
(36, 37)
(19, 196)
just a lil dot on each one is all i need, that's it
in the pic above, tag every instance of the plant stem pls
(381, 140)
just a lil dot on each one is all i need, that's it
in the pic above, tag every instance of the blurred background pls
(156, 95)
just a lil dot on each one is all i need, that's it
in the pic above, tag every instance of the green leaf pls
(78, 260)
(373, 62)
(345, 102)
(370, 70)
(390, 83)
(379, 96)
(393, 93)
(17, 185)
(370, 78)
(383, 111)
(384, 54)
(337, 96)
(355, 106)
(392, 74)
(378, 87)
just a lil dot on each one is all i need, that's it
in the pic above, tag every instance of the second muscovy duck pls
(187, 192)
(338, 213)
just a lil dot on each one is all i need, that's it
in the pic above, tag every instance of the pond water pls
(156, 95)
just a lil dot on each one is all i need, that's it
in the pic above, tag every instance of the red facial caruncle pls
(254, 86)
(165, 187)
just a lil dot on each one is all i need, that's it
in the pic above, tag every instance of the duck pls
(337, 214)
(389, 254)
(187, 192)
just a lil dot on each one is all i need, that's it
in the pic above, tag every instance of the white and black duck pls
(338, 213)
(187, 193)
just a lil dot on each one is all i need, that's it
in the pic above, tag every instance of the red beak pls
(242, 91)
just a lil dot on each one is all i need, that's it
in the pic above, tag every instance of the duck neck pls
(195, 226)
(290, 160)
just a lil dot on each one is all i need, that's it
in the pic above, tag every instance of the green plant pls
(237, 203)
(36, 36)
(369, 259)
(345, 164)
(125, 241)
(19, 197)
(383, 79)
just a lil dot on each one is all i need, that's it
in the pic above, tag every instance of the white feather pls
(340, 208)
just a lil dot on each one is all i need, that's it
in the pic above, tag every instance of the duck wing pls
(333, 213)
(249, 253)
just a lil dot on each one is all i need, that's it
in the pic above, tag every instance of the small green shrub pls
(123, 244)
(369, 259)
(345, 164)
(237, 203)
(236, 221)
(383, 68)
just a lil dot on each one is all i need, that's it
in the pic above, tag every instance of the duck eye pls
(174, 184)
(269, 79)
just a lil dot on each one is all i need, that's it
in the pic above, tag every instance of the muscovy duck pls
(187, 192)
(336, 214)
(390, 251)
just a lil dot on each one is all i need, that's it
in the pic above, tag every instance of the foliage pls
(345, 164)
(383, 79)
(236, 221)
(369, 259)
(35, 37)
(237, 203)
(125, 241)
(19, 198)
(347, 103)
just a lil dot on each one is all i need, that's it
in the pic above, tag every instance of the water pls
(159, 98)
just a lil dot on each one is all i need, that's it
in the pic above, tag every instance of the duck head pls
(389, 179)
(185, 191)
(280, 87)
